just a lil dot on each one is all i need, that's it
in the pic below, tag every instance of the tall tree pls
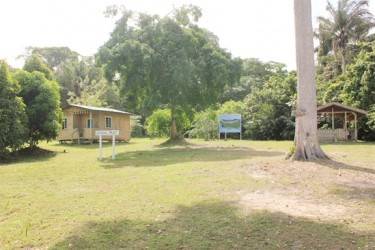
(347, 23)
(167, 62)
(267, 115)
(53, 57)
(359, 80)
(255, 74)
(306, 134)
(42, 100)
(12, 113)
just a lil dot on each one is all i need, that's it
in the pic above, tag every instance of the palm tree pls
(347, 24)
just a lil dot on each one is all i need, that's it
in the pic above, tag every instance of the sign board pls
(107, 132)
(113, 133)
(230, 123)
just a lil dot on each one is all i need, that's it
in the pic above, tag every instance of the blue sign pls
(230, 123)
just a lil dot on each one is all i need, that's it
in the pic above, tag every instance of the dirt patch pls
(320, 191)
(292, 205)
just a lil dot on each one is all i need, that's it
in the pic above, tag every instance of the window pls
(65, 123)
(90, 123)
(108, 122)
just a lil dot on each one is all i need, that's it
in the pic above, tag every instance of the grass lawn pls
(198, 195)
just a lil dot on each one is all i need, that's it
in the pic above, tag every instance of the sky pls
(262, 29)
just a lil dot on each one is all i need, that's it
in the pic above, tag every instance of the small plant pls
(290, 151)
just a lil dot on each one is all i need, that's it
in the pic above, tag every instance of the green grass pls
(182, 197)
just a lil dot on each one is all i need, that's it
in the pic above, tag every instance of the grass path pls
(199, 195)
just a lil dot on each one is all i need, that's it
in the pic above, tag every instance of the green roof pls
(99, 109)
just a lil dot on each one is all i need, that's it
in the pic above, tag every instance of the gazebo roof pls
(340, 108)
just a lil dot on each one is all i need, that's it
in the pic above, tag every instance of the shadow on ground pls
(29, 155)
(216, 225)
(168, 156)
(339, 165)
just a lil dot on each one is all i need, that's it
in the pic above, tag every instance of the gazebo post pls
(346, 126)
(333, 124)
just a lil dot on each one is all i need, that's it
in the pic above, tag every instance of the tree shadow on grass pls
(94, 145)
(216, 225)
(27, 155)
(339, 165)
(167, 156)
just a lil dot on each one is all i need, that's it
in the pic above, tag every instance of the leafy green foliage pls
(268, 115)
(355, 87)
(13, 132)
(349, 22)
(34, 63)
(137, 129)
(52, 57)
(254, 74)
(359, 88)
(205, 125)
(159, 123)
(42, 100)
(168, 62)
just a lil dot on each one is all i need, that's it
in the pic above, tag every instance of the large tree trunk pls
(306, 133)
(174, 133)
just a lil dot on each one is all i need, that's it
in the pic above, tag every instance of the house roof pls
(99, 109)
(338, 107)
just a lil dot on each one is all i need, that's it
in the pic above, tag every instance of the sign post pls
(100, 133)
(230, 123)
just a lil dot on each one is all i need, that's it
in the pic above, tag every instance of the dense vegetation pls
(175, 76)
(29, 106)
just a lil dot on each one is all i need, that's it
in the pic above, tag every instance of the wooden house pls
(349, 119)
(81, 123)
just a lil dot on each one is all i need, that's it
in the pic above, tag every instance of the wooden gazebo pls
(349, 117)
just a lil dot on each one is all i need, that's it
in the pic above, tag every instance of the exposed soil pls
(321, 191)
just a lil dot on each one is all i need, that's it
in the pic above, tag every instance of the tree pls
(158, 124)
(267, 115)
(205, 125)
(359, 84)
(34, 63)
(42, 100)
(306, 137)
(12, 113)
(349, 23)
(90, 86)
(167, 62)
(254, 75)
(52, 57)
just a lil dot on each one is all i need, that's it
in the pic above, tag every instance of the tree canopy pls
(167, 62)
(42, 100)
(348, 23)
(12, 113)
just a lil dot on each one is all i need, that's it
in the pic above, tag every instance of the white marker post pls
(100, 133)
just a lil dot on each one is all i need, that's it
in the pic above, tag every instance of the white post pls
(91, 127)
(113, 146)
(100, 147)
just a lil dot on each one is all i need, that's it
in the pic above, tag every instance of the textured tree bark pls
(174, 132)
(306, 134)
